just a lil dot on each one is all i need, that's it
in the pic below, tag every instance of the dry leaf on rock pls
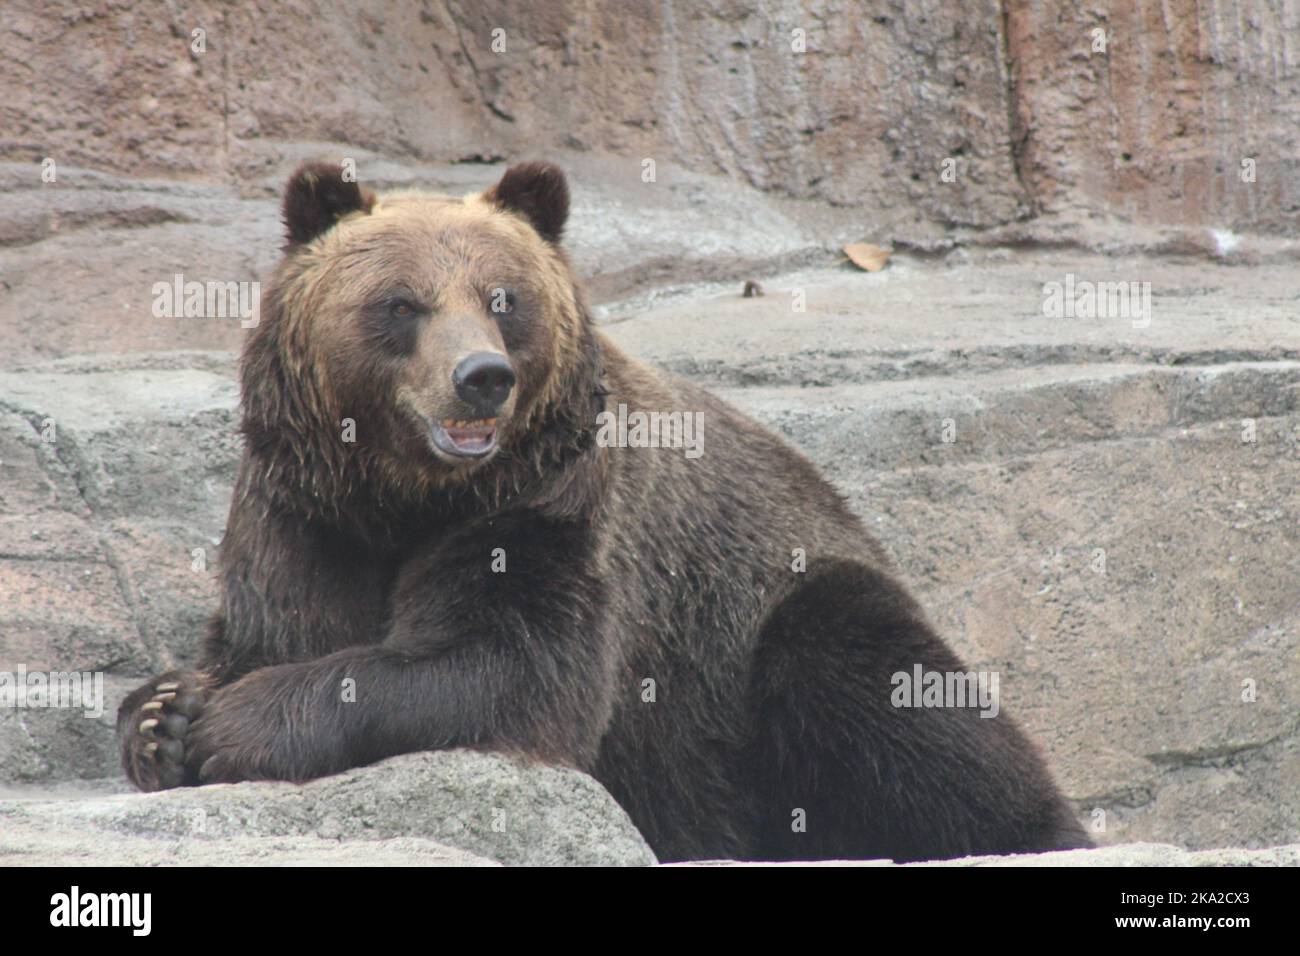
(866, 256)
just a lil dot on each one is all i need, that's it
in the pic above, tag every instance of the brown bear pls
(432, 544)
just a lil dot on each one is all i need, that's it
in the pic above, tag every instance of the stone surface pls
(1120, 855)
(627, 235)
(450, 807)
(861, 107)
(108, 536)
(1157, 127)
(1142, 854)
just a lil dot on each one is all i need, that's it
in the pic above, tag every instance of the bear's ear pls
(316, 197)
(538, 192)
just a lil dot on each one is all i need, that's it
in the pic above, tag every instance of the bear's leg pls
(151, 727)
(839, 771)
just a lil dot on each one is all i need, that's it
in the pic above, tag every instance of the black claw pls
(210, 772)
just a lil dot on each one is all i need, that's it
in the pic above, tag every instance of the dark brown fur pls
(372, 562)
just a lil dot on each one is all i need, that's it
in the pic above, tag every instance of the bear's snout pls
(484, 380)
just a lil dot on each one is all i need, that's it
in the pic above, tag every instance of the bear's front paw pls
(244, 733)
(153, 724)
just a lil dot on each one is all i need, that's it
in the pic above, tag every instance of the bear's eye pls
(401, 308)
(502, 301)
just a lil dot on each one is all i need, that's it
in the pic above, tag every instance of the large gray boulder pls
(448, 807)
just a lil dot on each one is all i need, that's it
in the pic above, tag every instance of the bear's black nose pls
(484, 380)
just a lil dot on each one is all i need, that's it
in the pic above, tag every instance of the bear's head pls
(414, 341)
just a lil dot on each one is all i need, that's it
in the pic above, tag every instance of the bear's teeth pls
(479, 423)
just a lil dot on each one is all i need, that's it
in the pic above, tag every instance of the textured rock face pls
(861, 108)
(114, 486)
(1157, 127)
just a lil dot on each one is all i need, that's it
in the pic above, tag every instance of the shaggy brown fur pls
(371, 564)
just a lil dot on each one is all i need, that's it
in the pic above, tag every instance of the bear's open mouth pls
(475, 439)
